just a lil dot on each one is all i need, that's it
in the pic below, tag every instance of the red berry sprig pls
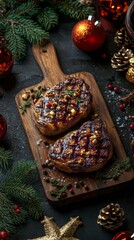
(115, 89)
(16, 208)
(4, 235)
(131, 126)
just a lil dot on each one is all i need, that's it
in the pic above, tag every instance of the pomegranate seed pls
(132, 126)
(71, 190)
(121, 106)
(110, 86)
(116, 89)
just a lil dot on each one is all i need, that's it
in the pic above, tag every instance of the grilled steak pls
(63, 106)
(84, 150)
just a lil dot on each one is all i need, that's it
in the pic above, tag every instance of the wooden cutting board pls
(61, 188)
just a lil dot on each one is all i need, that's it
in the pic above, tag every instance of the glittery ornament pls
(3, 127)
(53, 232)
(6, 61)
(124, 236)
(89, 34)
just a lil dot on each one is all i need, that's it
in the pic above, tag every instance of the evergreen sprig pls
(114, 171)
(74, 9)
(26, 21)
(5, 157)
(16, 188)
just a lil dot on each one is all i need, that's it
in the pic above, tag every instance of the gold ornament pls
(53, 232)
(130, 72)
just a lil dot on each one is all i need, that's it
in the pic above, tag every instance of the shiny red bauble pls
(123, 236)
(88, 35)
(6, 61)
(3, 127)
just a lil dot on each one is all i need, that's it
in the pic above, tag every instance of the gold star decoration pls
(53, 232)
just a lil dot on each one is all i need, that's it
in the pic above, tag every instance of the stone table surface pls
(27, 73)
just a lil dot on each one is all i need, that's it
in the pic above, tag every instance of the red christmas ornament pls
(4, 235)
(114, 9)
(88, 35)
(6, 61)
(124, 236)
(3, 127)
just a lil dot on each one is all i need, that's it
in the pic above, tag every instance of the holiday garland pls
(22, 21)
(18, 199)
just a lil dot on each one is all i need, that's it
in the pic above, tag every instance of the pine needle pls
(47, 18)
(5, 157)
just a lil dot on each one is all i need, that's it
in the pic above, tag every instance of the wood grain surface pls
(90, 185)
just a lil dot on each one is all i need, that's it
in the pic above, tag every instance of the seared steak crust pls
(63, 106)
(84, 150)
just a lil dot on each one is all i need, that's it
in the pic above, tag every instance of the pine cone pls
(121, 38)
(120, 60)
(111, 217)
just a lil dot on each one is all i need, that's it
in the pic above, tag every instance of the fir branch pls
(26, 195)
(16, 44)
(11, 4)
(29, 8)
(21, 171)
(74, 9)
(27, 28)
(5, 157)
(47, 18)
(14, 185)
(8, 217)
(114, 171)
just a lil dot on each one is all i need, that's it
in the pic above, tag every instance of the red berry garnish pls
(121, 106)
(110, 86)
(15, 207)
(116, 89)
(71, 190)
(104, 55)
(132, 126)
(48, 105)
(132, 117)
(18, 210)
(3, 235)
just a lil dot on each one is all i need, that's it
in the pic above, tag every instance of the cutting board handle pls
(47, 59)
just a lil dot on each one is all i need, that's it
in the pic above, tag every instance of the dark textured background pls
(26, 73)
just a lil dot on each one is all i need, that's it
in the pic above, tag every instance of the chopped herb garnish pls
(80, 100)
(115, 171)
(70, 92)
(26, 105)
(59, 191)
